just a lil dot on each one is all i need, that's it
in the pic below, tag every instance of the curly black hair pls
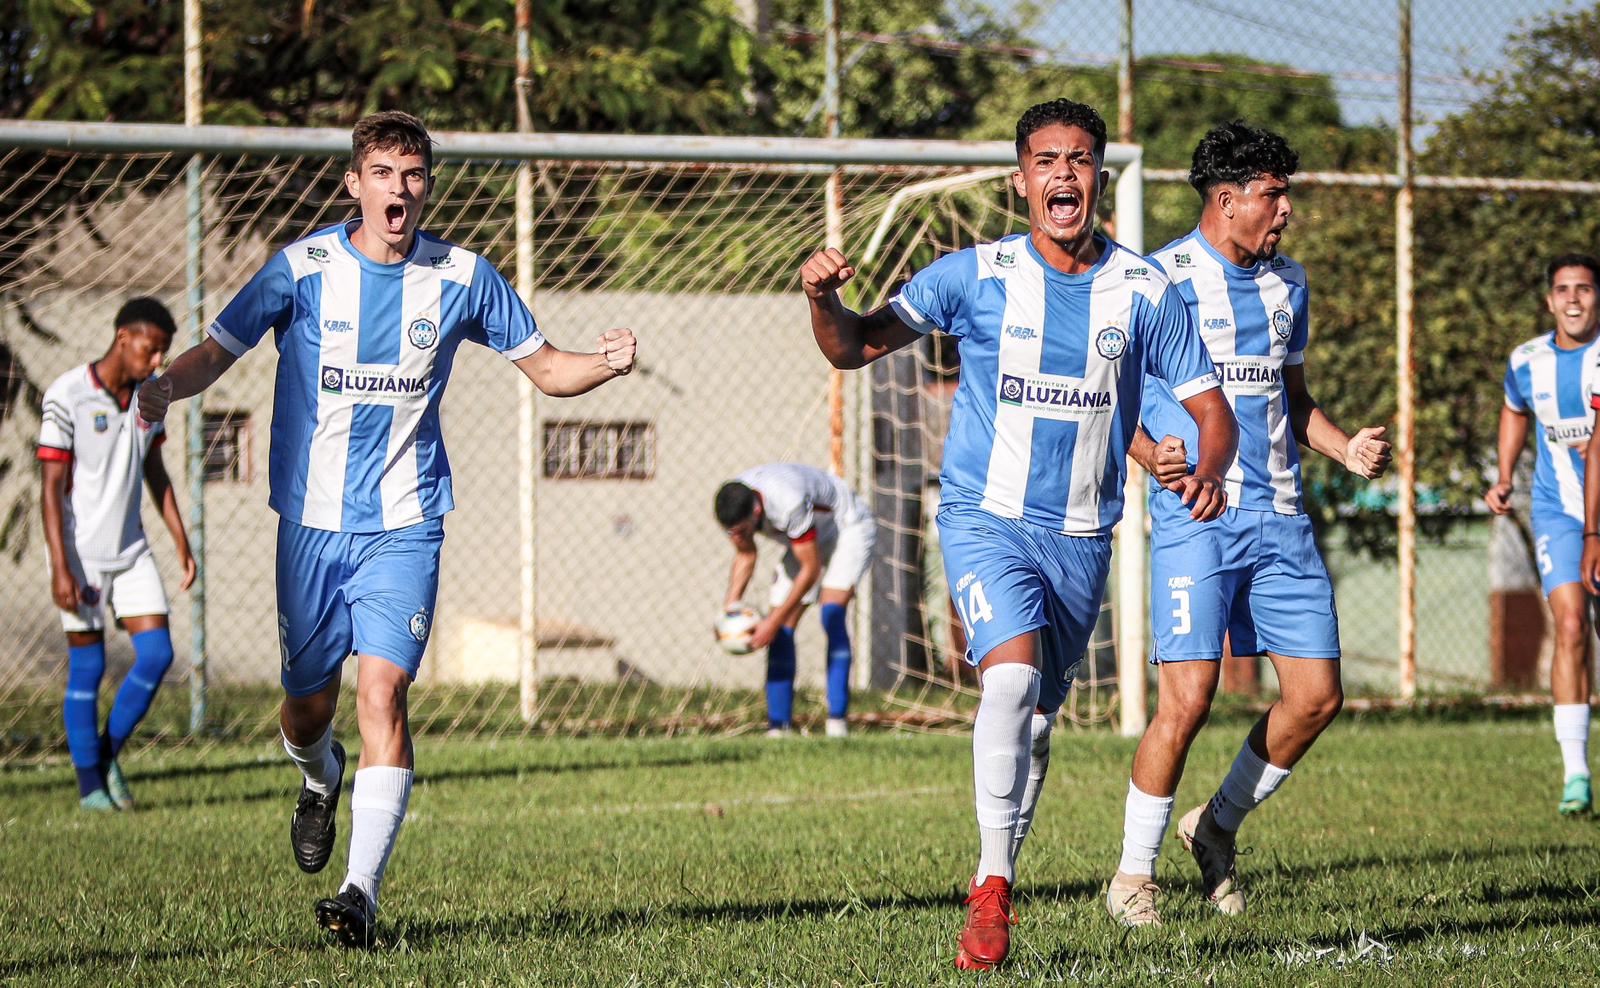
(1234, 153)
(1571, 261)
(146, 310)
(1061, 111)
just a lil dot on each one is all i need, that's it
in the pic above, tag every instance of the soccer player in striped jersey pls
(827, 533)
(95, 452)
(1057, 330)
(1549, 382)
(367, 316)
(1255, 574)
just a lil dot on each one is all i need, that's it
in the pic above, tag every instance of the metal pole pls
(1133, 708)
(194, 419)
(527, 466)
(1405, 442)
(835, 220)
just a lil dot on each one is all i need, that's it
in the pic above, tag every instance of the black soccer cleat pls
(349, 917)
(312, 830)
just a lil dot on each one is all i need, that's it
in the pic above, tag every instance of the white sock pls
(377, 807)
(1000, 742)
(1249, 782)
(1144, 827)
(1572, 733)
(1038, 765)
(316, 762)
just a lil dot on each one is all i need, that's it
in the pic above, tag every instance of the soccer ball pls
(734, 629)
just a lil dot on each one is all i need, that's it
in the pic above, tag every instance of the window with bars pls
(226, 436)
(599, 450)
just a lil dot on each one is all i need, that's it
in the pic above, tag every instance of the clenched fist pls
(618, 347)
(1367, 454)
(155, 395)
(825, 272)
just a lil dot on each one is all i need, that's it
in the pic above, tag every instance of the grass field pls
(1405, 851)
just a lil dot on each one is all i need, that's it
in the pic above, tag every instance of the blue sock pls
(80, 710)
(780, 679)
(838, 659)
(152, 654)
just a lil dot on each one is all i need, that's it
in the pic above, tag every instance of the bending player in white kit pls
(1058, 329)
(95, 451)
(1255, 574)
(827, 533)
(367, 317)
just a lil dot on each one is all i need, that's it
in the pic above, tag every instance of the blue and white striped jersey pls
(1052, 366)
(364, 352)
(1554, 386)
(1254, 322)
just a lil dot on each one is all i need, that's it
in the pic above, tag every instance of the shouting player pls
(1255, 575)
(1550, 380)
(1057, 329)
(95, 451)
(367, 317)
(827, 533)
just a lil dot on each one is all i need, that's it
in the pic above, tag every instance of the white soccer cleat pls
(1131, 900)
(780, 732)
(1214, 850)
(838, 727)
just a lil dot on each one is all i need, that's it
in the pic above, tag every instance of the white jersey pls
(106, 444)
(796, 500)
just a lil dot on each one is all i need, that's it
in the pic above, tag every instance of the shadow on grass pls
(61, 780)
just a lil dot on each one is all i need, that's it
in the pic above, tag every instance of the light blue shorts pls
(344, 592)
(1255, 576)
(1009, 577)
(1558, 544)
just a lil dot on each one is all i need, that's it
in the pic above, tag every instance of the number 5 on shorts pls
(1182, 625)
(976, 607)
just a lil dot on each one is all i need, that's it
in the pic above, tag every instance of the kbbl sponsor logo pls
(1021, 332)
(337, 325)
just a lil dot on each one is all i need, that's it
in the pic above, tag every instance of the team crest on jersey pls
(419, 625)
(1111, 342)
(423, 334)
(1005, 259)
(102, 422)
(318, 254)
(1282, 323)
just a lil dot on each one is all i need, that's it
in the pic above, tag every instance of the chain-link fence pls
(700, 257)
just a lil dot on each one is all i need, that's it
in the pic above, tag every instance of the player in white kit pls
(95, 453)
(827, 532)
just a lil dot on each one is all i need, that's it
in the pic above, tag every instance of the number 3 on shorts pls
(976, 607)
(1182, 625)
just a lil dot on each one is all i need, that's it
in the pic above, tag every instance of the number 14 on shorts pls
(971, 603)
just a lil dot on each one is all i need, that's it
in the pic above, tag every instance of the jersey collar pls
(1107, 248)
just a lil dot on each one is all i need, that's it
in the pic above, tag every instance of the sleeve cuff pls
(1298, 357)
(1188, 389)
(55, 455)
(526, 347)
(809, 535)
(910, 316)
(229, 342)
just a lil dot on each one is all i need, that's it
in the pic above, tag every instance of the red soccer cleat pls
(987, 937)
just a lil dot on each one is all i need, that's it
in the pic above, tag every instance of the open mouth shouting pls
(1064, 208)
(394, 218)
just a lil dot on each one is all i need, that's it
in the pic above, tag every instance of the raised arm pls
(847, 338)
(195, 370)
(564, 374)
(1366, 454)
(1513, 434)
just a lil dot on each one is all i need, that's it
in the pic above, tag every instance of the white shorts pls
(846, 553)
(132, 591)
